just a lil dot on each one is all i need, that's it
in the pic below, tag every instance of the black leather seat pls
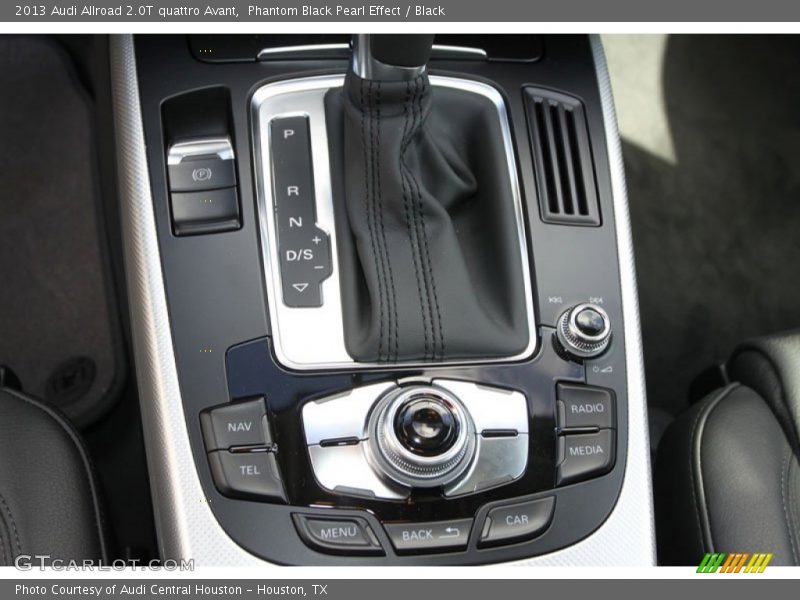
(727, 475)
(49, 499)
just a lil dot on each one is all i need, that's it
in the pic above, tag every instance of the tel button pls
(247, 474)
(521, 521)
(421, 537)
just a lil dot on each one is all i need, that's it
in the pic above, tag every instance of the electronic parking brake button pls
(434, 536)
(339, 535)
(235, 425)
(201, 164)
(585, 455)
(516, 522)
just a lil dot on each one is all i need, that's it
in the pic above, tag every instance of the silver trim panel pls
(304, 51)
(499, 461)
(185, 525)
(346, 470)
(341, 416)
(627, 537)
(313, 338)
(343, 51)
(220, 147)
(445, 52)
(490, 407)
(359, 466)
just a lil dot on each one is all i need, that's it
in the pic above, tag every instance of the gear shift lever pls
(429, 252)
(391, 57)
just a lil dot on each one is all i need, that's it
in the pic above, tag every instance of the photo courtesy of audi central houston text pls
(399, 299)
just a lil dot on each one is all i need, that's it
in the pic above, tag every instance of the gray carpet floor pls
(711, 141)
(53, 297)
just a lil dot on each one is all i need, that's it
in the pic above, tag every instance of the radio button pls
(581, 406)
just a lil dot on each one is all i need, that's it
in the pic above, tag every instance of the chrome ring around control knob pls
(584, 330)
(423, 436)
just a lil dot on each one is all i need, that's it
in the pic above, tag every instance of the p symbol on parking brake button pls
(287, 133)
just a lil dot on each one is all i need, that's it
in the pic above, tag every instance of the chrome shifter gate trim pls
(313, 338)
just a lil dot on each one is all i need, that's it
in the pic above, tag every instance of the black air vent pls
(562, 158)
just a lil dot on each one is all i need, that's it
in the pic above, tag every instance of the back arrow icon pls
(450, 532)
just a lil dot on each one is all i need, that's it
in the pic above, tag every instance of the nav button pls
(517, 522)
(435, 536)
(237, 424)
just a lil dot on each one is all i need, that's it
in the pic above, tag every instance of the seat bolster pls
(49, 497)
(726, 481)
(771, 366)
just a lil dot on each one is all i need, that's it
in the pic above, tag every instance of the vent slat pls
(553, 171)
(542, 141)
(562, 158)
(571, 192)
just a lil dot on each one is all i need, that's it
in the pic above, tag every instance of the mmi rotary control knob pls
(421, 436)
(584, 331)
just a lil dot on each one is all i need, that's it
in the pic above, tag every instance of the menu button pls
(338, 535)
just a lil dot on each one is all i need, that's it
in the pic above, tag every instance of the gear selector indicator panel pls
(304, 248)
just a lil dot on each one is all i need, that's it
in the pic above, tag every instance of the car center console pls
(383, 299)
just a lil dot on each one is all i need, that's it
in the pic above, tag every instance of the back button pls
(424, 537)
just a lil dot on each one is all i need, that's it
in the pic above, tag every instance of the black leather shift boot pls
(429, 253)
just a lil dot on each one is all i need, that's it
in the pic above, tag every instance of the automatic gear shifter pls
(429, 252)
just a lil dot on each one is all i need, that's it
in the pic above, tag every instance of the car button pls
(422, 537)
(237, 424)
(581, 406)
(520, 521)
(247, 474)
(586, 455)
(346, 535)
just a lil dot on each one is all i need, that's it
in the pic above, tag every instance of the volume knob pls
(584, 330)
